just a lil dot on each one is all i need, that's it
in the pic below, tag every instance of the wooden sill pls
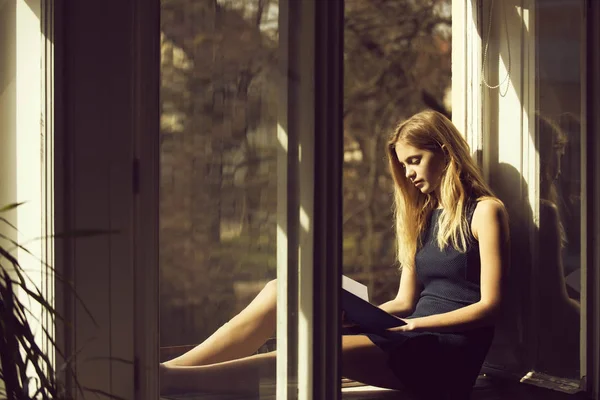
(486, 388)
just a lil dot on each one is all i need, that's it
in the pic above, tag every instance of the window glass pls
(397, 61)
(218, 198)
(559, 85)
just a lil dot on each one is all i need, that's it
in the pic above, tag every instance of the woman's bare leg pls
(361, 361)
(240, 337)
(243, 375)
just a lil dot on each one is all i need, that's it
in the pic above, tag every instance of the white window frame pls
(466, 74)
(27, 151)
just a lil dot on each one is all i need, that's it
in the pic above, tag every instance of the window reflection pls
(559, 85)
(218, 198)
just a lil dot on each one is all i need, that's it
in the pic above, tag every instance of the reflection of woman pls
(453, 249)
(552, 145)
(569, 184)
(559, 315)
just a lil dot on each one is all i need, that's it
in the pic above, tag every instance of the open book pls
(358, 310)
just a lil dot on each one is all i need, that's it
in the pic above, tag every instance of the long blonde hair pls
(461, 180)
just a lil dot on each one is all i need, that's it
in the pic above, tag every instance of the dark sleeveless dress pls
(436, 365)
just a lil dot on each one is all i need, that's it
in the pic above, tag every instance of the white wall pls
(7, 111)
(23, 132)
(29, 150)
(8, 97)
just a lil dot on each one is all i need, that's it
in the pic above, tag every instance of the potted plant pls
(25, 369)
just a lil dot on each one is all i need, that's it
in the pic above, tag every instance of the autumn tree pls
(218, 162)
(397, 62)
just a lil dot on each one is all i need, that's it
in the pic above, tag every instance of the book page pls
(355, 287)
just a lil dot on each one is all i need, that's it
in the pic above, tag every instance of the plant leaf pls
(10, 359)
(11, 206)
(22, 282)
(2, 219)
(78, 234)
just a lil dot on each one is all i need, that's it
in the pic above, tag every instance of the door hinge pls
(136, 176)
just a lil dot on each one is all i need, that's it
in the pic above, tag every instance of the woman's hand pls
(411, 325)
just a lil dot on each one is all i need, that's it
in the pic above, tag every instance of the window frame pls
(93, 190)
(146, 167)
(144, 24)
(591, 207)
(309, 194)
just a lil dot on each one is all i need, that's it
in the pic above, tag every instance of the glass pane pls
(397, 60)
(218, 197)
(559, 84)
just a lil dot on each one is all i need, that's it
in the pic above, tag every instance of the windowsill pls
(486, 387)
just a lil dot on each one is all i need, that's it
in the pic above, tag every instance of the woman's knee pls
(270, 292)
(272, 284)
(265, 304)
(271, 288)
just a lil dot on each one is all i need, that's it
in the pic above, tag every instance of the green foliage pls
(26, 370)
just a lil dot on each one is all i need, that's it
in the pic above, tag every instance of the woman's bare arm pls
(406, 299)
(490, 228)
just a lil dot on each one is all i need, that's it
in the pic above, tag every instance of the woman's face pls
(423, 168)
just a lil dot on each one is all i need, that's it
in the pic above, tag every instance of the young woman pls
(452, 236)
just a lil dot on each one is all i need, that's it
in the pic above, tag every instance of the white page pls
(355, 287)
